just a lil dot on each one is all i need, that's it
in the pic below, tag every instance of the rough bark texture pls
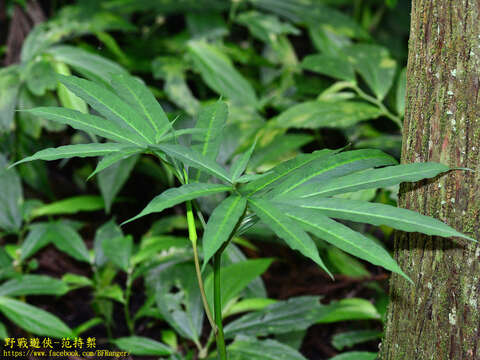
(438, 316)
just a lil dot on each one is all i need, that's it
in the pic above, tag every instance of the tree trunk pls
(438, 317)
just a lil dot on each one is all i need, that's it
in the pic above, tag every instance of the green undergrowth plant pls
(297, 200)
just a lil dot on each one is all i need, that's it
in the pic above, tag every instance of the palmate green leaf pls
(71, 205)
(286, 229)
(90, 65)
(374, 178)
(138, 345)
(111, 106)
(315, 114)
(239, 166)
(114, 158)
(89, 123)
(212, 118)
(138, 95)
(33, 285)
(346, 310)
(341, 236)
(194, 159)
(332, 66)
(175, 196)
(219, 73)
(374, 64)
(235, 278)
(283, 170)
(294, 314)
(332, 167)
(78, 150)
(33, 319)
(378, 214)
(221, 224)
(245, 348)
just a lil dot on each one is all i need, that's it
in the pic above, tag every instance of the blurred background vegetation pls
(298, 75)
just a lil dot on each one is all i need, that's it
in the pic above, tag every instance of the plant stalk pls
(192, 232)
(222, 351)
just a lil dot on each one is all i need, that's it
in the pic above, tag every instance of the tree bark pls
(438, 316)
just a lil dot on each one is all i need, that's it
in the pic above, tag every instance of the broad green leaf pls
(286, 229)
(351, 338)
(38, 237)
(247, 305)
(71, 205)
(212, 118)
(265, 27)
(138, 95)
(332, 66)
(341, 236)
(87, 325)
(178, 298)
(90, 65)
(111, 106)
(79, 150)
(151, 246)
(378, 214)
(374, 64)
(3, 331)
(9, 86)
(375, 178)
(118, 250)
(296, 313)
(112, 179)
(334, 166)
(195, 159)
(89, 123)
(401, 92)
(356, 355)
(315, 114)
(111, 292)
(76, 281)
(346, 310)
(283, 170)
(235, 278)
(11, 198)
(40, 77)
(345, 264)
(221, 224)
(66, 239)
(311, 12)
(114, 158)
(33, 285)
(107, 231)
(219, 73)
(33, 319)
(239, 166)
(206, 25)
(137, 345)
(245, 348)
(175, 196)
(66, 97)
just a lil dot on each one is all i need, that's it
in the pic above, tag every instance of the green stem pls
(377, 102)
(126, 308)
(217, 300)
(192, 232)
